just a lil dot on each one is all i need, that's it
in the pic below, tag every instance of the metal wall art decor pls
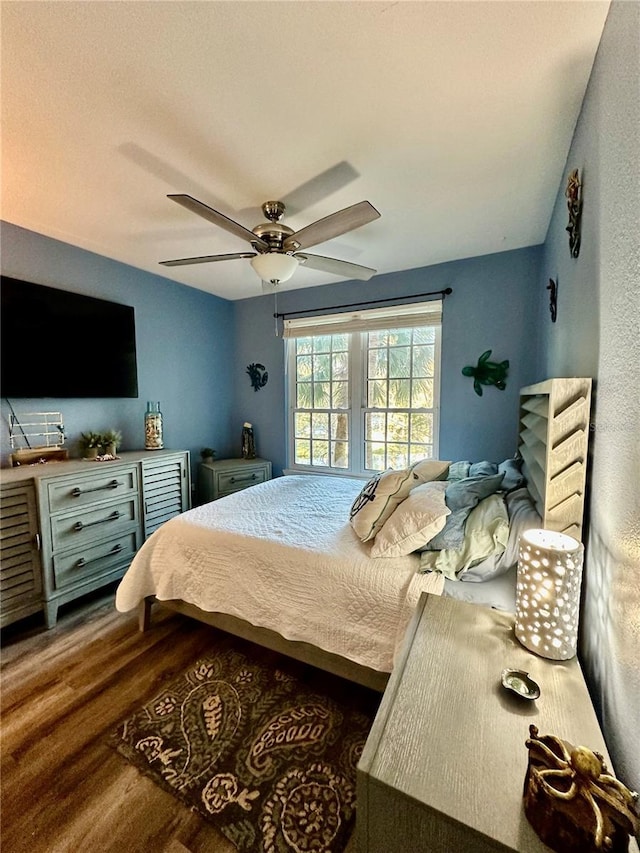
(487, 373)
(258, 375)
(552, 287)
(573, 193)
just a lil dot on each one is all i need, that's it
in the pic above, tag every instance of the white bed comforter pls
(282, 555)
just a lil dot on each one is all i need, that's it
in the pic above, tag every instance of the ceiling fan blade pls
(206, 259)
(217, 218)
(332, 226)
(336, 267)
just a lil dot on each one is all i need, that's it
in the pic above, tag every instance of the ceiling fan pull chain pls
(275, 311)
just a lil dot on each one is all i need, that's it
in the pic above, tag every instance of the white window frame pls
(358, 323)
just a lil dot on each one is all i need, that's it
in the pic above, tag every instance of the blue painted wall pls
(597, 334)
(494, 305)
(184, 338)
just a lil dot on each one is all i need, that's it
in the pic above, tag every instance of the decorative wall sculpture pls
(573, 193)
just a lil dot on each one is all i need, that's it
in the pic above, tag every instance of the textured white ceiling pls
(452, 118)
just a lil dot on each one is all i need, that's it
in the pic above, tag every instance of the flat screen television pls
(61, 344)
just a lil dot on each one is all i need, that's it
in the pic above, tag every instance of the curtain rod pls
(446, 292)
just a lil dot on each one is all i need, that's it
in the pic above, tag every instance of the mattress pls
(282, 555)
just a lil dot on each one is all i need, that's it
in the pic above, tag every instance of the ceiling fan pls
(277, 248)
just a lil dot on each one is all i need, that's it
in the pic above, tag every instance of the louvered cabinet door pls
(20, 563)
(166, 489)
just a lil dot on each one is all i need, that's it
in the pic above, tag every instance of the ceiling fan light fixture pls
(274, 267)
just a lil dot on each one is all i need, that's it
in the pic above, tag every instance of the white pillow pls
(414, 522)
(385, 491)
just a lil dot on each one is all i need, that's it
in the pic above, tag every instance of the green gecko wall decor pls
(487, 373)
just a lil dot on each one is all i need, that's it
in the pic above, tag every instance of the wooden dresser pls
(444, 766)
(71, 527)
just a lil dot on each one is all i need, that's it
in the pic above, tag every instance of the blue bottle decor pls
(153, 427)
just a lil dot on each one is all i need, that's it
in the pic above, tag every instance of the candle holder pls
(548, 593)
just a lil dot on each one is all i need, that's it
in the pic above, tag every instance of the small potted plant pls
(207, 454)
(91, 444)
(111, 440)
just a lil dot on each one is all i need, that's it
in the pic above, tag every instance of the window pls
(363, 389)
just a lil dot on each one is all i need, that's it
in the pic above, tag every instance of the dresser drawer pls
(78, 529)
(72, 568)
(70, 492)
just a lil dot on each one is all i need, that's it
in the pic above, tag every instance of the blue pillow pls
(482, 468)
(461, 496)
(513, 477)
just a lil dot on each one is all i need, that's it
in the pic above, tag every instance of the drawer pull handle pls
(113, 484)
(81, 563)
(79, 525)
(242, 479)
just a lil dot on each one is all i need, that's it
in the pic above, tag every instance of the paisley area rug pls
(263, 747)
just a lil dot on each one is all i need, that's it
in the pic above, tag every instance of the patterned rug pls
(263, 747)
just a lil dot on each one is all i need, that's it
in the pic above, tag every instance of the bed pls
(329, 569)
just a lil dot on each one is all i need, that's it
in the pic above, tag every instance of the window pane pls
(378, 363)
(340, 365)
(399, 337)
(420, 451)
(320, 425)
(377, 394)
(302, 424)
(340, 426)
(422, 394)
(378, 338)
(400, 362)
(375, 456)
(340, 343)
(375, 426)
(322, 343)
(321, 395)
(304, 398)
(340, 399)
(422, 428)
(423, 362)
(399, 393)
(339, 454)
(303, 367)
(397, 455)
(302, 452)
(320, 453)
(322, 367)
(304, 345)
(424, 335)
(398, 426)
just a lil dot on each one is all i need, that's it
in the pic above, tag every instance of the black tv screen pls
(61, 344)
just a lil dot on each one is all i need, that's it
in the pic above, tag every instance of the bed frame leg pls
(144, 613)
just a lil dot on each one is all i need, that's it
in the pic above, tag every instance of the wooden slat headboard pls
(553, 440)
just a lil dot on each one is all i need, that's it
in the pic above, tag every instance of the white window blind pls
(391, 317)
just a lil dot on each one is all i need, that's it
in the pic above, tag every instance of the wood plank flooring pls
(64, 790)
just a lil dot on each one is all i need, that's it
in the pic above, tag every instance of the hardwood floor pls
(64, 790)
(63, 691)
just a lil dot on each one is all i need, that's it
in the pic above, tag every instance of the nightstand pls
(226, 476)
(444, 765)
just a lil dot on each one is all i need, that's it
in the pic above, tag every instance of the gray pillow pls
(461, 496)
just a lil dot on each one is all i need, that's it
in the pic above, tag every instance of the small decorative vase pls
(153, 427)
(110, 449)
(248, 442)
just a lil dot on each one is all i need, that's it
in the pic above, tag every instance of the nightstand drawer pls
(234, 481)
(226, 476)
(72, 492)
(81, 528)
(94, 560)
